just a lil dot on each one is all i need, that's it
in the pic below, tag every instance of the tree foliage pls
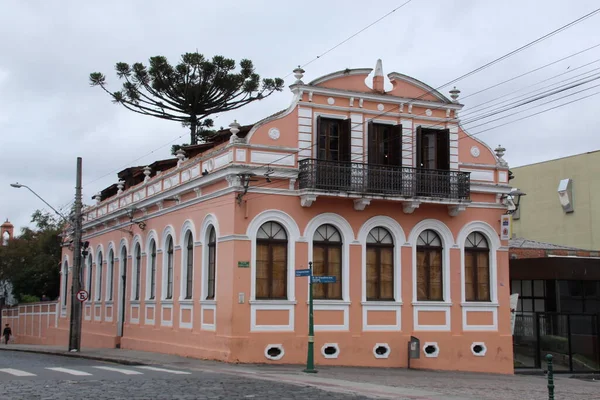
(190, 91)
(31, 261)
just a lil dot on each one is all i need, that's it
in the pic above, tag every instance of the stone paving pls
(397, 384)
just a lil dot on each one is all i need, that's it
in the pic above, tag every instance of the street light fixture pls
(17, 185)
(513, 199)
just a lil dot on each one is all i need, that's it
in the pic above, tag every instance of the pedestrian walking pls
(6, 333)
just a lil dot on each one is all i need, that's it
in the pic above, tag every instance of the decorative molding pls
(306, 200)
(386, 354)
(330, 101)
(482, 346)
(428, 112)
(455, 209)
(277, 346)
(274, 133)
(425, 306)
(475, 151)
(289, 307)
(380, 107)
(410, 206)
(334, 355)
(435, 353)
(360, 204)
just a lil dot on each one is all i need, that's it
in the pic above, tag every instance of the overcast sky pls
(49, 115)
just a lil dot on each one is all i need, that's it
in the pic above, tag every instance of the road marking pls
(16, 372)
(121, 370)
(69, 371)
(169, 371)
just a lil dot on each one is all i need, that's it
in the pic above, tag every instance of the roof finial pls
(378, 78)
(379, 68)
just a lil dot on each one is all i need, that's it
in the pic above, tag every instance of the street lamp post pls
(75, 320)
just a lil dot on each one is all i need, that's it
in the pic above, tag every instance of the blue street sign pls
(303, 272)
(324, 279)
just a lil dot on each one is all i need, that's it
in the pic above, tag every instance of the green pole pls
(310, 357)
(550, 377)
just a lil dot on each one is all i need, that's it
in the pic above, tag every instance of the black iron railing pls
(383, 180)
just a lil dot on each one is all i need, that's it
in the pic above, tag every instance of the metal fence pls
(572, 339)
(383, 180)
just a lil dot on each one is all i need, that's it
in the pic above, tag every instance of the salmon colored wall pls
(407, 90)
(350, 82)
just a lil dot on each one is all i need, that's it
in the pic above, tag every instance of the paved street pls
(37, 376)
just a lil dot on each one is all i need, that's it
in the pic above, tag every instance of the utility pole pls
(310, 356)
(75, 323)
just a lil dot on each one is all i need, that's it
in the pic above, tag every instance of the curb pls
(78, 355)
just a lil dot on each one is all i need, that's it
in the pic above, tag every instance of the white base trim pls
(163, 307)
(186, 305)
(149, 306)
(98, 317)
(381, 306)
(493, 308)
(208, 305)
(85, 312)
(333, 307)
(134, 304)
(276, 305)
(445, 307)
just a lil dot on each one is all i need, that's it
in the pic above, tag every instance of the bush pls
(556, 344)
(27, 298)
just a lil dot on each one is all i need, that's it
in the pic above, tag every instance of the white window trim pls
(64, 287)
(347, 235)
(399, 240)
(123, 245)
(168, 231)
(447, 242)
(209, 221)
(135, 265)
(293, 234)
(99, 275)
(110, 272)
(151, 236)
(184, 260)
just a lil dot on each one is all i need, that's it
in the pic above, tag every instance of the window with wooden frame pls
(189, 272)
(99, 284)
(333, 139)
(433, 148)
(477, 268)
(111, 275)
(430, 283)
(138, 267)
(327, 261)
(385, 144)
(169, 268)
(380, 265)
(212, 260)
(271, 262)
(152, 269)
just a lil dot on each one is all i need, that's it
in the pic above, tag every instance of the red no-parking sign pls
(82, 295)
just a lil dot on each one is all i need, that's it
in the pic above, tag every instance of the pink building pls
(383, 190)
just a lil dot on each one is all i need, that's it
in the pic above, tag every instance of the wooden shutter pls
(345, 130)
(372, 144)
(318, 138)
(396, 146)
(419, 147)
(443, 150)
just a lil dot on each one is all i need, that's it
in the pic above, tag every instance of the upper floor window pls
(271, 261)
(433, 148)
(477, 268)
(327, 261)
(333, 142)
(385, 144)
(212, 259)
(89, 276)
(189, 274)
(380, 265)
(169, 268)
(111, 271)
(429, 267)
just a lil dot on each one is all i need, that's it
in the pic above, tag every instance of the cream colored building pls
(562, 205)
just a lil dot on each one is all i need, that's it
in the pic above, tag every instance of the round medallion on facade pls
(428, 112)
(209, 165)
(380, 107)
(331, 101)
(274, 133)
(475, 151)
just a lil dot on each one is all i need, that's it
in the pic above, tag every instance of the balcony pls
(384, 181)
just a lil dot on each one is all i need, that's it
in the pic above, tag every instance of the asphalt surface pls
(39, 376)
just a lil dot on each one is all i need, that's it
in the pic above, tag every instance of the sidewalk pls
(382, 383)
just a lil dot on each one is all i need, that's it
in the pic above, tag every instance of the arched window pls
(212, 263)
(99, 277)
(152, 291)
(189, 276)
(89, 276)
(380, 265)
(429, 267)
(65, 283)
(327, 261)
(110, 277)
(477, 268)
(138, 267)
(169, 268)
(271, 261)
